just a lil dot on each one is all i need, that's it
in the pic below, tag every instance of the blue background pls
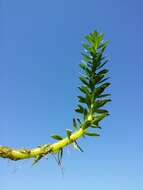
(40, 44)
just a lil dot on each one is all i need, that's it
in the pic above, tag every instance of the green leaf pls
(95, 126)
(104, 95)
(99, 117)
(37, 158)
(90, 39)
(83, 66)
(75, 125)
(99, 38)
(87, 47)
(98, 78)
(104, 71)
(69, 132)
(82, 99)
(92, 134)
(79, 109)
(99, 90)
(99, 58)
(60, 156)
(97, 41)
(79, 121)
(103, 45)
(101, 111)
(100, 103)
(86, 57)
(76, 146)
(85, 100)
(84, 89)
(99, 66)
(103, 80)
(94, 38)
(84, 80)
(57, 137)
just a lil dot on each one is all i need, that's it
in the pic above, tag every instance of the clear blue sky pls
(40, 44)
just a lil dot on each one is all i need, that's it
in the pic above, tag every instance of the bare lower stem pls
(18, 154)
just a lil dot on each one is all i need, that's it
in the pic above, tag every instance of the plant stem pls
(18, 154)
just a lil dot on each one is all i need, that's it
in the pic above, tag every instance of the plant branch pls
(39, 152)
(93, 85)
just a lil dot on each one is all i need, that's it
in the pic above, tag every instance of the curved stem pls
(93, 86)
(39, 152)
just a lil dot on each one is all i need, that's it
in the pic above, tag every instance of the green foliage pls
(69, 132)
(92, 134)
(76, 146)
(57, 137)
(60, 156)
(94, 83)
(92, 98)
(75, 125)
(36, 160)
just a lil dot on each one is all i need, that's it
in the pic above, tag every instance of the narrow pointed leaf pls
(84, 100)
(99, 117)
(99, 90)
(92, 134)
(87, 47)
(101, 81)
(79, 121)
(76, 146)
(101, 111)
(104, 95)
(36, 160)
(83, 80)
(86, 57)
(75, 125)
(60, 156)
(104, 71)
(102, 64)
(69, 132)
(100, 103)
(84, 89)
(95, 126)
(57, 137)
(79, 109)
(83, 66)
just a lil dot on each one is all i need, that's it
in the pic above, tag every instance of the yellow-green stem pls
(18, 154)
